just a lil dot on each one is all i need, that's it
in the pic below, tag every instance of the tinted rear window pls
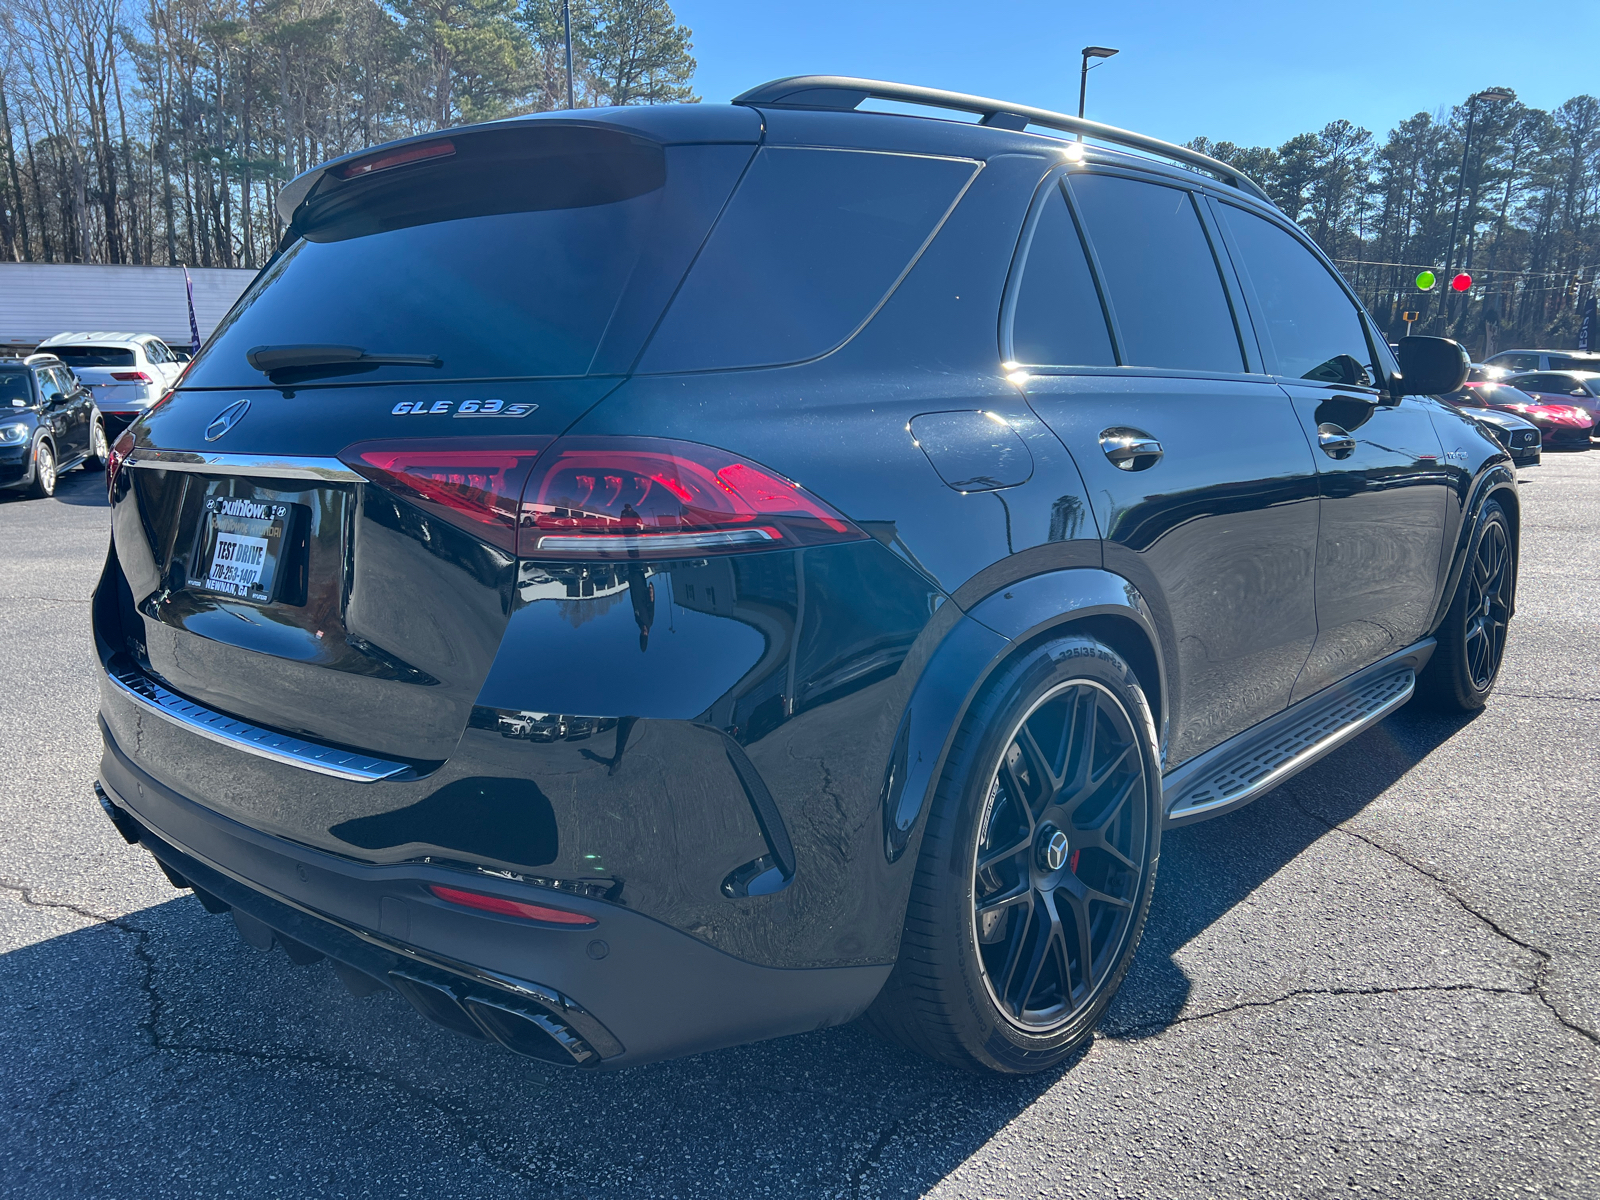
(1162, 281)
(93, 356)
(1058, 319)
(811, 244)
(508, 257)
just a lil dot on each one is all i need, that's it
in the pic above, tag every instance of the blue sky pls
(1244, 71)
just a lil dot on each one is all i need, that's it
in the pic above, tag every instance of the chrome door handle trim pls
(1335, 441)
(1130, 449)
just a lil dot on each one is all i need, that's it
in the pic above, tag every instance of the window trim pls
(1054, 181)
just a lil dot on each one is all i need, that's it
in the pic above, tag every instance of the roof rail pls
(842, 93)
(36, 358)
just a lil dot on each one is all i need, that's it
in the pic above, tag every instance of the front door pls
(1199, 475)
(1383, 484)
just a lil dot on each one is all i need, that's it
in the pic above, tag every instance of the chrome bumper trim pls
(252, 739)
(262, 466)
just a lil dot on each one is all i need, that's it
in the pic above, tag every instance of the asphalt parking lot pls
(1381, 980)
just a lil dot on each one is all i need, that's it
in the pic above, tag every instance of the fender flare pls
(41, 435)
(963, 662)
(1496, 478)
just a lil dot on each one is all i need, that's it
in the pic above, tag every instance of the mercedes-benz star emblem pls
(227, 419)
(1053, 849)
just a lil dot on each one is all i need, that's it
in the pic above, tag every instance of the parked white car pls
(127, 372)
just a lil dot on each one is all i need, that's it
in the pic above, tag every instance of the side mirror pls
(55, 398)
(1431, 366)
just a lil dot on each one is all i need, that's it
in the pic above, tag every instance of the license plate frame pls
(241, 547)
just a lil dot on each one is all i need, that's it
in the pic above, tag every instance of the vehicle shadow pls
(165, 1039)
(82, 489)
(168, 1041)
(1209, 868)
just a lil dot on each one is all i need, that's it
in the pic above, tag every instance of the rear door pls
(1383, 481)
(1217, 524)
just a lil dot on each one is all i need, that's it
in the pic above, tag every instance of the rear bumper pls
(629, 988)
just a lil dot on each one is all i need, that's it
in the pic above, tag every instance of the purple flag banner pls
(194, 326)
(1587, 331)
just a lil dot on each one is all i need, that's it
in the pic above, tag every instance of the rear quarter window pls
(812, 243)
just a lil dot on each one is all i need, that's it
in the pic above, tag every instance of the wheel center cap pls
(1052, 849)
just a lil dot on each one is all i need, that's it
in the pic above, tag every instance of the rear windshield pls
(93, 356)
(505, 255)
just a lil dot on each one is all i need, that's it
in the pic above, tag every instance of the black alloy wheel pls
(1488, 608)
(1059, 864)
(43, 485)
(1472, 637)
(1036, 866)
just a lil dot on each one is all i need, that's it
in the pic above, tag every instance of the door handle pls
(1335, 442)
(1130, 449)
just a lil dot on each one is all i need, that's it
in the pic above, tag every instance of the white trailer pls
(38, 300)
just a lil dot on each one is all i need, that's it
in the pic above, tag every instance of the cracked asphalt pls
(1383, 979)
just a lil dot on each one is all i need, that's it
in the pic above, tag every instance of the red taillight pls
(396, 158)
(119, 455)
(511, 908)
(477, 487)
(616, 497)
(131, 377)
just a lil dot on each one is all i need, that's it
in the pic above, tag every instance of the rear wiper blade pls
(284, 358)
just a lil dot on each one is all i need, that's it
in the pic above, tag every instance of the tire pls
(986, 980)
(99, 447)
(1472, 637)
(43, 484)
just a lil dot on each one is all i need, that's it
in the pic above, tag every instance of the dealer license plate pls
(241, 547)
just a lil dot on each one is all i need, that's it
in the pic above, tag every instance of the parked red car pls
(1577, 389)
(1563, 423)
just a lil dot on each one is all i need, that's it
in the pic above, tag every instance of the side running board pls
(1247, 766)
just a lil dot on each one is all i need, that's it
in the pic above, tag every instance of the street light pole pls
(1083, 75)
(1495, 94)
(566, 27)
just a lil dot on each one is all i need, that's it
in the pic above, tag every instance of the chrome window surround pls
(261, 466)
(151, 697)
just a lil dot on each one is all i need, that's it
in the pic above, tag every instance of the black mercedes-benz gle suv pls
(637, 581)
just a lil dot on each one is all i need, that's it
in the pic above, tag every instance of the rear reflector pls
(511, 908)
(476, 487)
(619, 497)
(131, 377)
(396, 158)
